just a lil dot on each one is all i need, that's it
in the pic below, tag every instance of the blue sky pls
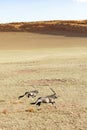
(38, 10)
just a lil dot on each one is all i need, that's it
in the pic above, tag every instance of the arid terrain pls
(41, 61)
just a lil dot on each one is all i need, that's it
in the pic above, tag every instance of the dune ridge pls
(45, 34)
(47, 27)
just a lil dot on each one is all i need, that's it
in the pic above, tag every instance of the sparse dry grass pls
(64, 70)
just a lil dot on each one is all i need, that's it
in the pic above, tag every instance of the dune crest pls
(48, 27)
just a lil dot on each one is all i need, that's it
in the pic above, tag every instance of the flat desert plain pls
(38, 61)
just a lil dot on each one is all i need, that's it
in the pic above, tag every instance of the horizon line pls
(43, 21)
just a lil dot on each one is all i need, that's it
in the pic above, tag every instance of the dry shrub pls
(30, 109)
(5, 111)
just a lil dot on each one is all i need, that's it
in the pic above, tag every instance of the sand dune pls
(67, 28)
(48, 34)
(26, 41)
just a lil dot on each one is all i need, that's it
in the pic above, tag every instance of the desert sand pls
(31, 61)
(28, 41)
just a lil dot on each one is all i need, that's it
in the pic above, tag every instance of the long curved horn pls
(52, 90)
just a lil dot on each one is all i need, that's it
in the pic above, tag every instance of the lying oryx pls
(48, 99)
(29, 94)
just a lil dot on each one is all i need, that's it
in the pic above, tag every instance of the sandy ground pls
(62, 68)
(27, 41)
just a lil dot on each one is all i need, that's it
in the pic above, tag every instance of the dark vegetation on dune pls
(77, 28)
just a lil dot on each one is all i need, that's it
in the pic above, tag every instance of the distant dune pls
(46, 34)
(48, 27)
